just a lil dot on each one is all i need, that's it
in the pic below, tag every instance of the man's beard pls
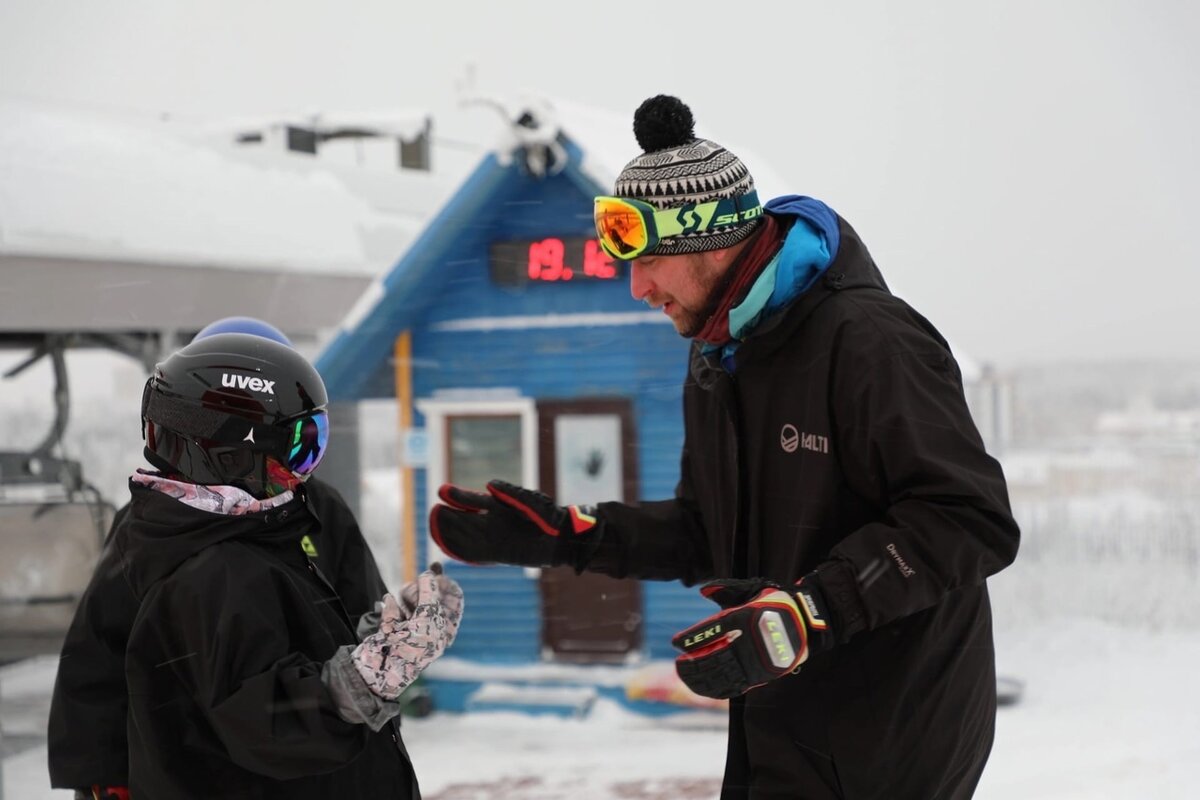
(696, 321)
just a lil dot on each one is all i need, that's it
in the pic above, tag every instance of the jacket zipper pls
(333, 594)
(739, 546)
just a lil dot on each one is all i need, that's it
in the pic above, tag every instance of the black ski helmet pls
(214, 410)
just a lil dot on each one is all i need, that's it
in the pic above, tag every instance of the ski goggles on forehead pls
(628, 228)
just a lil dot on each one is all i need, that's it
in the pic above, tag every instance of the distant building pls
(1142, 421)
(149, 227)
(990, 398)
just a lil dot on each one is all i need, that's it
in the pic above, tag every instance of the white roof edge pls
(405, 124)
(103, 186)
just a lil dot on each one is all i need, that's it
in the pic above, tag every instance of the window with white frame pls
(473, 441)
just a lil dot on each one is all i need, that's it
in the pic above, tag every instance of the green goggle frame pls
(627, 228)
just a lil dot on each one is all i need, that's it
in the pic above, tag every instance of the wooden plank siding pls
(644, 361)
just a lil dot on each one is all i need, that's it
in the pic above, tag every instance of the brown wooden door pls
(587, 453)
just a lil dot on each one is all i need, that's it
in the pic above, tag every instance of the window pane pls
(588, 458)
(484, 448)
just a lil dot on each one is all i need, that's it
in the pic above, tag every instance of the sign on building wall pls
(414, 447)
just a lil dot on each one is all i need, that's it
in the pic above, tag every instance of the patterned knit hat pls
(678, 169)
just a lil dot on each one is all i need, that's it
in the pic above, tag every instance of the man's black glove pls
(765, 631)
(512, 525)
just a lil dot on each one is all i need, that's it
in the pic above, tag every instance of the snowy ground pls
(1107, 712)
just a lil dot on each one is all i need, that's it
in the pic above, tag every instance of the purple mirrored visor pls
(309, 438)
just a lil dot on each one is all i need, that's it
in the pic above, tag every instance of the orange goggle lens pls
(621, 228)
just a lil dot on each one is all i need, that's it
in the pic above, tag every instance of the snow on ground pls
(1108, 712)
(612, 754)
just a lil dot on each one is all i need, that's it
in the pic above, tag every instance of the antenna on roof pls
(531, 133)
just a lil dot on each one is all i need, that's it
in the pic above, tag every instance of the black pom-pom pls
(662, 122)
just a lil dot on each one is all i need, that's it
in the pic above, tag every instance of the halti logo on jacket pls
(246, 382)
(790, 439)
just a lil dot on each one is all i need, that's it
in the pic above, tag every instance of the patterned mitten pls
(406, 643)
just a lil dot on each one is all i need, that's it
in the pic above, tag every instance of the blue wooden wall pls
(645, 362)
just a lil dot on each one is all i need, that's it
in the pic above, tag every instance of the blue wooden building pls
(515, 350)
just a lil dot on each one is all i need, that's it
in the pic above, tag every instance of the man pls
(834, 491)
(87, 732)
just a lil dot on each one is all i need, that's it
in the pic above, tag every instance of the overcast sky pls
(1024, 172)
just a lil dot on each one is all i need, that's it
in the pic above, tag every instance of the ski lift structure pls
(234, 220)
(53, 522)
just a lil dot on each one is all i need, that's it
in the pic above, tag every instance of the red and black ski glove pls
(764, 632)
(512, 525)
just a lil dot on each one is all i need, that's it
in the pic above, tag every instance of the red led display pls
(554, 259)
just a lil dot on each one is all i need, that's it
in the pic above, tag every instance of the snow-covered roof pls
(400, 123)
(85, 185)
(607, 141)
